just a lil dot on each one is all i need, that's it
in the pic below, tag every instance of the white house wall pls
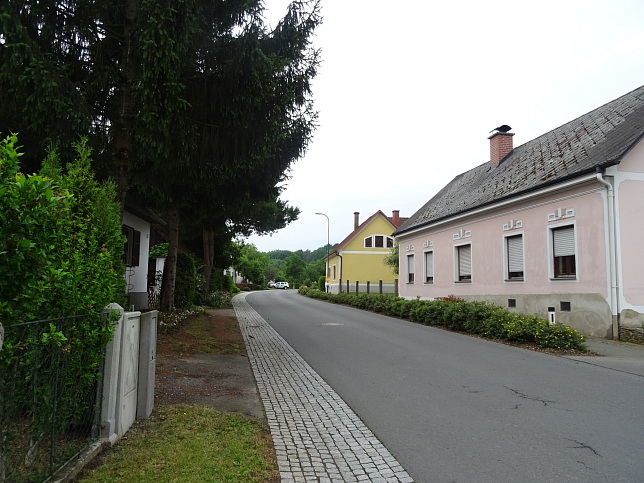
(586, 295)
(137, 277)
(629, 195)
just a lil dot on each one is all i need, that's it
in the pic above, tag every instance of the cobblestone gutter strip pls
(317, 437)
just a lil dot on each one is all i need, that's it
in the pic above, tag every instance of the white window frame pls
(387, 241)
(551, 252)
(457, 267)
(426, 266)
(506, 257)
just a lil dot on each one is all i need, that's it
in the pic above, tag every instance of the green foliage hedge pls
(480, 318)
(61, 244)
(61, 249)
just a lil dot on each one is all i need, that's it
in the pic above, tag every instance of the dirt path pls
(205, 363)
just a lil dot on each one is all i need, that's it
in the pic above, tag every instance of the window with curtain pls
(410, 269)
(564, 256)
(514, 250)
(464, 256)
(429, 267)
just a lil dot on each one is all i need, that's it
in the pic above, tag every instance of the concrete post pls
(111, 377)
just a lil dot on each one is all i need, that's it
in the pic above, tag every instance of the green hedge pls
(480, 318)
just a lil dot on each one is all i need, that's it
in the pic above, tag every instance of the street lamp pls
(328, 242)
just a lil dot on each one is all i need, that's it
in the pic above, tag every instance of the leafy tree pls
(176, 96)
(271, 272)
(279, 254)
(252, 265)
(314, 270)
(295, 269)
(391, 259)
(249, 119)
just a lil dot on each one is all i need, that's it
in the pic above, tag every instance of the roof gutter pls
(509, 201)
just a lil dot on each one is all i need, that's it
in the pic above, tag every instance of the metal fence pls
(49, 394)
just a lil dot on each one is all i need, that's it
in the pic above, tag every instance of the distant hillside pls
(307, 255)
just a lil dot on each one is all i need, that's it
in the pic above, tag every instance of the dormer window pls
(378, 241)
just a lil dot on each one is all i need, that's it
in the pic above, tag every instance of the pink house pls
(554, 227)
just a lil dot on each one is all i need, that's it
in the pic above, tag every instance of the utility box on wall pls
(147, 364)
(551, 315)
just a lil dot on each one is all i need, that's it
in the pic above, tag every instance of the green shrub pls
(493, 325)
(521, 328)
(219, 299)
(322, 283)
(428, 313)
(61, 250)
(159, 251)
(475, 314)
(456, 314)
(558, 336)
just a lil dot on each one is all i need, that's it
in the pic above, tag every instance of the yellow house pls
(357, 263)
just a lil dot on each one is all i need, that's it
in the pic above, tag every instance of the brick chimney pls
(356, 220)
(396, 217)
(500, 146)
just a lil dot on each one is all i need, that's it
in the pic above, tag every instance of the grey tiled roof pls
(597, 139)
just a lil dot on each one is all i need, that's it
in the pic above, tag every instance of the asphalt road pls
(453, 408)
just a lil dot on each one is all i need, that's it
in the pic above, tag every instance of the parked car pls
(283, 285)
(271, 284)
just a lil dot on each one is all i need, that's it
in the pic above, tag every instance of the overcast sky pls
(407, 93)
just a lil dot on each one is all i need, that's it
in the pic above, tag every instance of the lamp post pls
(328, 242)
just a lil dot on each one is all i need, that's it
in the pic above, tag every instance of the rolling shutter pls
(465, 261)
(429, 266)
(410, 268)
(564, 241)
(515, 254)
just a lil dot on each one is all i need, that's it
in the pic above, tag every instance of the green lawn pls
(190, 444)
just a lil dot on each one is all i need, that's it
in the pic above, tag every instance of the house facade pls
(140, 272)
(553, 227)
(359, 258)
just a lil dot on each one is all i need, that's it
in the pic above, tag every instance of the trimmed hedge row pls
(479, 318)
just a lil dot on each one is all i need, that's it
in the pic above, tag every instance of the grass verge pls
(183, 443)
(191, 443)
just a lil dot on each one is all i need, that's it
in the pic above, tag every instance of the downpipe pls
(614, 300)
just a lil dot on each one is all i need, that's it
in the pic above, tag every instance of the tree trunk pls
(123, 122)
(170, 269)
(208, 256)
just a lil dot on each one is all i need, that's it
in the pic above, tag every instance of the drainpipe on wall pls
(614, 301)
